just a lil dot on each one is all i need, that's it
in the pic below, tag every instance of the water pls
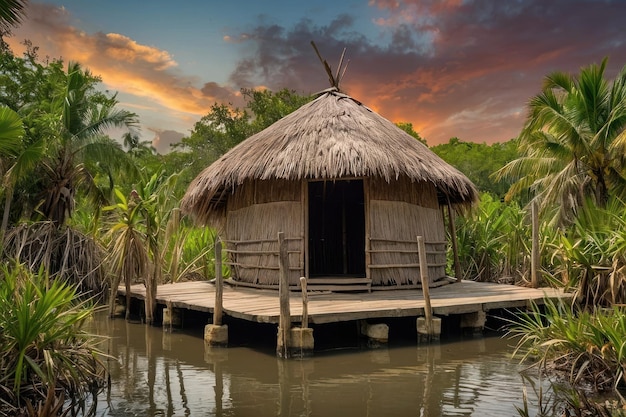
(158, 373)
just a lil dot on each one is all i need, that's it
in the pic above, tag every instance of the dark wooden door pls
(336, 228)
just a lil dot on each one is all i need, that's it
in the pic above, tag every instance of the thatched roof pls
(332, 137)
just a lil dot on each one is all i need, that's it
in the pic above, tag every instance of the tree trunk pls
(8, 197)
(601, 191)
(113, 295)
(152, 282)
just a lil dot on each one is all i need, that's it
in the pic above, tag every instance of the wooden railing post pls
(219, 284)
(216, 334)
(305, 303)
(455, 247)
(284, 323)
(421, 248)
(534, 255)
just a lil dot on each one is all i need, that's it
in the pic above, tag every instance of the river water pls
(162, 373)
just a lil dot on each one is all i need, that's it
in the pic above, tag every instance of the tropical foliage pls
(573, 142)
(586, 347)
(11, 132)
(128, 256)
(69, 256)
(46, 358)
(590, 257)
(408, 128)
(139, 236)
(11, 13)
(494, 242)
(79, 143)
(480, 161)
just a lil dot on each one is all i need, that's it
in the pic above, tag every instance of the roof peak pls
(338, 76)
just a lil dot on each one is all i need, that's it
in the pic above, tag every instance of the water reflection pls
(159, 373)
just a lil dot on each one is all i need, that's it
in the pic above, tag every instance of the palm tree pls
(69, 119)
(573, 142)
(137, 147)
(84, 117)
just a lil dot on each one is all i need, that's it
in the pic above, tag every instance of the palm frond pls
(12, 13)
(11, 132)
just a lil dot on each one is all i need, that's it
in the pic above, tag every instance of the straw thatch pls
(332, 137)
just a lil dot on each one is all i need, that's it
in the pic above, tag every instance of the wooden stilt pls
(284, 324)
(534, 257)
(216, 334)
(455, 248)
(305, 303)
(219, 284)
(430, 327)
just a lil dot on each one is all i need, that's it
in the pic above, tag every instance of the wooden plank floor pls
(263, 305)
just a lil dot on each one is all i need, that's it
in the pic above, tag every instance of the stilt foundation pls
(215, 335)
(426, 335)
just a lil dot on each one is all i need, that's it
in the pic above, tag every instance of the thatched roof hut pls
(349, 189)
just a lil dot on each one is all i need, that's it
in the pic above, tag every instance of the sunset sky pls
(451, 67)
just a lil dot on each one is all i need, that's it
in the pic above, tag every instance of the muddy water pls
(157, 373)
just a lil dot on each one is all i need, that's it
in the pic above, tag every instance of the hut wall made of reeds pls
(256, 212)
(398, 213)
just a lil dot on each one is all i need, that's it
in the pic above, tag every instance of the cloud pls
(452, 68)
(124, 64)
(163, 139)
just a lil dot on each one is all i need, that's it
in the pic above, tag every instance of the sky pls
(452, 68)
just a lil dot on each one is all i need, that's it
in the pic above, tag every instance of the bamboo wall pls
(396, 214)
(256, 213)
(399, 213)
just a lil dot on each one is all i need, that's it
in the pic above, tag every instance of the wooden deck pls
(262, 306)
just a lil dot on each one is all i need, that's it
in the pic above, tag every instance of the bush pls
(45, 356)
(588, 348)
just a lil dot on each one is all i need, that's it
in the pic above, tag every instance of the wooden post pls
(368, 241)
(305, 303)
(216, 334)
(421, 248)
(219, 284)
(284, 323)
(304, 244)
(534, 255)
(455, 247)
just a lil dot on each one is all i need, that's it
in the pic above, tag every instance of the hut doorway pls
(336, 228)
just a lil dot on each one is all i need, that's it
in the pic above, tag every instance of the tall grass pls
(46, 356)
(494, 242)
(587, 256)
(590, 256)
(198, 253)
(585, 347)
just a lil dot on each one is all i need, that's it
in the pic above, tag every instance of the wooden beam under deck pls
(262, 306)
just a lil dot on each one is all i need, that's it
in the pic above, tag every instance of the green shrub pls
(585, 347)
(44, 353)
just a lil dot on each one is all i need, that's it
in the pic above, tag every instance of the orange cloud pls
(122, 48)
(124, 65)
